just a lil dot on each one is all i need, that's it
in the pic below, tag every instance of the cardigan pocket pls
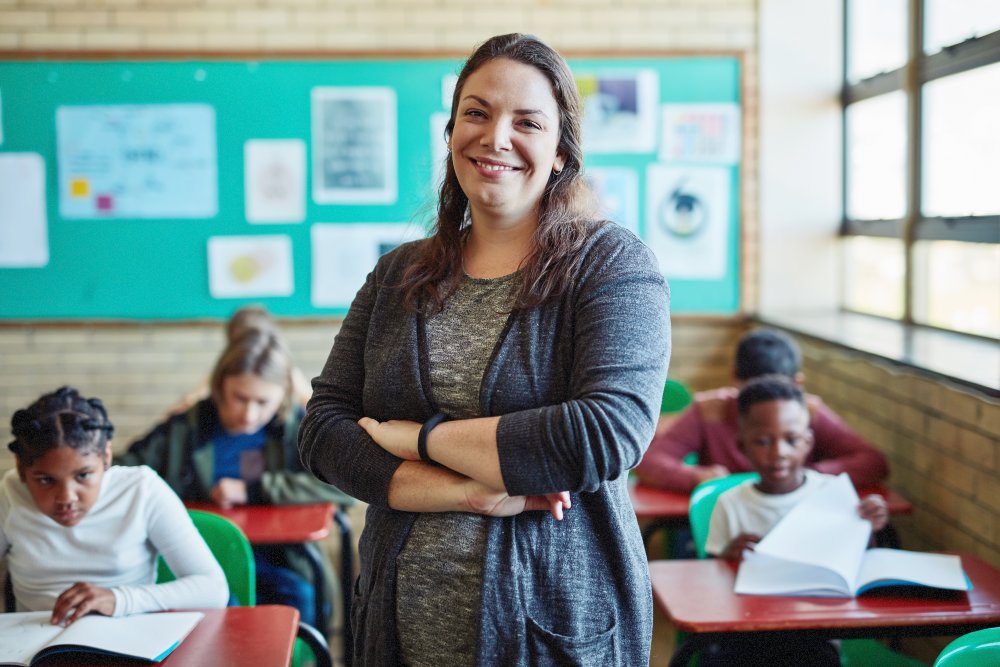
(591, 650)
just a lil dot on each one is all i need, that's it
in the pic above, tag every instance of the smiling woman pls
(488, 391)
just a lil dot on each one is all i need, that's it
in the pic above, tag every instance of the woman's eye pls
(476, 113)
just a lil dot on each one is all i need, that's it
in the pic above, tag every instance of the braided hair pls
(62, 418)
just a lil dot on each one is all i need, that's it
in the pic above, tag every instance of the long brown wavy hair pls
(566, 207)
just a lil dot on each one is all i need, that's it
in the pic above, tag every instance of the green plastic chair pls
(975, 649)
(853, 652)
(231, 548)
(703, 502)
(676, 397)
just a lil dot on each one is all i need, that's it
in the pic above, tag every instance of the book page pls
(23, 633)
(823, 530)
(888, 567)
(760, 574)
(149, 636)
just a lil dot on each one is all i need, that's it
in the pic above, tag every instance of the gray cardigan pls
(578, 383)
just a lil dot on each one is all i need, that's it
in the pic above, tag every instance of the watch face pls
(682, 213)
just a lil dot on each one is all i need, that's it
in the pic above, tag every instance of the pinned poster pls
(619, 110)
(700, 133)
(249, 266)
(24, 232)
(617, 189)
(344, 254)
(687, 220)
(137, 161)
(274, 180)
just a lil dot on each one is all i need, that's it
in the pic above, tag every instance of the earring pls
(556, 172)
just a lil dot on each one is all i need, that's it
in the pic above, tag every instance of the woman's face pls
(66, 482)
(505, 138)
(248, 402)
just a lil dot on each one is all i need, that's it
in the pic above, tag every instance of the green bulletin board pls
(154, 265)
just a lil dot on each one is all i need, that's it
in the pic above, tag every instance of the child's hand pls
(82, 598)
(875, 509)
(740, 543)
(229, 491)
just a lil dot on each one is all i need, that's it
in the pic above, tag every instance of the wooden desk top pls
(697, 596)
(652, 503)
(261, 636)
(276, 524)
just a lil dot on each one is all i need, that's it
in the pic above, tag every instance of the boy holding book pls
(775, 437)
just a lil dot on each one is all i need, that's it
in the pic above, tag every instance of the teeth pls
(495, 167)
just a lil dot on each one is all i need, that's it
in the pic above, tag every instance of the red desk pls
(298, 524)
(261, 636)
(276, 524)
(697, 596)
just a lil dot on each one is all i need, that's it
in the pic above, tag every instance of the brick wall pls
(139, 370)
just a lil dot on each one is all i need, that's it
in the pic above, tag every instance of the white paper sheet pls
(24, 231)
(247, 266)
(344, 254)
(274, 180)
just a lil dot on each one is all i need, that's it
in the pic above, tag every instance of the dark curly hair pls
(773, 387)
(62, 418)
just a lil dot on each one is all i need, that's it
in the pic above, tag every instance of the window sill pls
(969, 361)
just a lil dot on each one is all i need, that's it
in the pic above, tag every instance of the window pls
(921, 104)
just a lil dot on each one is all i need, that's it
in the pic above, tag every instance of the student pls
(502, 535)
(709, 427)
(239, 447)
(774, 435)
(81, 536)
(247, 318)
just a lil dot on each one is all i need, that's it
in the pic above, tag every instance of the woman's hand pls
(875, 509)
(82, 598)
(739, 544)
(481, 499)
(396, 436)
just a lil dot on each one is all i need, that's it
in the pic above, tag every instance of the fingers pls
(73, 603)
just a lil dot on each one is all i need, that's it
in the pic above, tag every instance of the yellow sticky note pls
(79, 187)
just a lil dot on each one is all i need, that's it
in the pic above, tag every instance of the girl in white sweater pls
(81, 536)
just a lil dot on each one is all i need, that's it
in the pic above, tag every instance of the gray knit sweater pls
(577, 382)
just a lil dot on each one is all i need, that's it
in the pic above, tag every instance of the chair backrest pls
(703, 502)
(975, 649)
(676, 397)
(231, 548)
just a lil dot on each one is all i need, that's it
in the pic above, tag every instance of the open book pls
(820, 549)
(26, 637)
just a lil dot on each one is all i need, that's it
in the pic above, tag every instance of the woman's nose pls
(496, 136)
(65, 494)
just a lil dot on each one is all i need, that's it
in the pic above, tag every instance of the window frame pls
(918, 70)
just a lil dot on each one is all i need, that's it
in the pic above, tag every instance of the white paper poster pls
(617, 188)
(619, 110)
(274, 180)
(344, 254)
(250, 266)
(24, 231)
(137, 161)
(354, 145)
(439, 146)
(700, 133)
(687, 219)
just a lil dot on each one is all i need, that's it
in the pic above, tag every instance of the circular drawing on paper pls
(683, 213)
